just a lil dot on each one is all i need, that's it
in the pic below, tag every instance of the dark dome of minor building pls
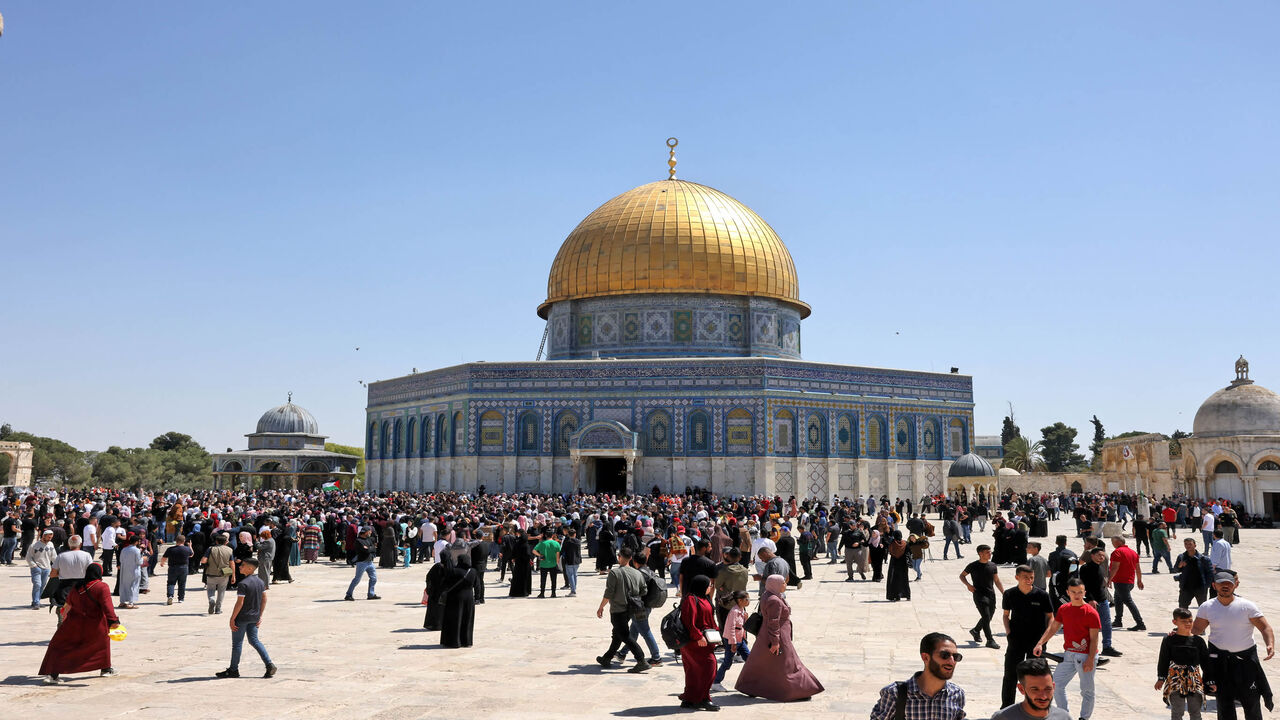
(971, 465)
(288, 418)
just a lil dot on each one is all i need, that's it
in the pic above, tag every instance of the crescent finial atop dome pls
(671, 158)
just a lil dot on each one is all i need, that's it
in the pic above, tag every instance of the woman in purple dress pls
(774, 670)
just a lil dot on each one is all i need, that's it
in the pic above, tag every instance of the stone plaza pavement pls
(535, 658)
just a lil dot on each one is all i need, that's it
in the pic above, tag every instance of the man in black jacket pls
(1195, 575)
(571, 558)
(363, 553)
(1094, 574)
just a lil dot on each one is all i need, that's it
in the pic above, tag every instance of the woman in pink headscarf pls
(774, 670)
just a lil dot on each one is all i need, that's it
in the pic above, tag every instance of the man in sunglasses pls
(1080, 625)
(929, 694)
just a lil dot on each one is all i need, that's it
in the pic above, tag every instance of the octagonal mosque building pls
(673, 360)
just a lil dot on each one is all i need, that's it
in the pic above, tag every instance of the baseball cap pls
(1224, 577)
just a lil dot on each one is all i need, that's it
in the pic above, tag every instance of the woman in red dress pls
(81, 643)
(698, 656)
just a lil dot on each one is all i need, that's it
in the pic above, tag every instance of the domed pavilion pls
(286, 450)
(1234, 448)
(673, 360)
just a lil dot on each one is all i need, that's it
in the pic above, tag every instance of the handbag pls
(425, 594)
(712, 636)
(754, 623)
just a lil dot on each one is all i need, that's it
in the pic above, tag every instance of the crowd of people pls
(86, 547)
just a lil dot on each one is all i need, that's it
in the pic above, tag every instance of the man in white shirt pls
(1206, 528)
(1232, 651)
(1220, 552)
(90, 537)
(109, 546)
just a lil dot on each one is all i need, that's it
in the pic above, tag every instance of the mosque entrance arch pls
(611, 475)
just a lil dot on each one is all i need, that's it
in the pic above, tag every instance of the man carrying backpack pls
(655, 596)
(929, 693)
(624, 591)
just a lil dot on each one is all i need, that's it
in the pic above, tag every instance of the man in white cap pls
(1233, 654)
(40, 556)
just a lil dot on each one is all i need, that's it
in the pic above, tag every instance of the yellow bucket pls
(117, 633)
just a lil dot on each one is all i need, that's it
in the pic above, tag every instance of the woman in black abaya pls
(387, 548)
(459, 606)
(521, 570)
(280, 563)
(437, 583)
(606, 553)
(897, 582)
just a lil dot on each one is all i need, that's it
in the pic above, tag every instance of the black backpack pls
(655, 594)
(672, 628)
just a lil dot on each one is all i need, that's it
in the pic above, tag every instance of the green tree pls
(1059, 440)
(5, 461)
(1175, 443)
(1099, 437)
(173, 441)
(1023, 455)
(350, 450)
(1009, 430)
(5, 431)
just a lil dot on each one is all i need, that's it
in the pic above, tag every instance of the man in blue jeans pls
(246, 617)
(364, 553)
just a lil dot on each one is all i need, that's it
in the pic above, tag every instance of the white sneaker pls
(717, 687)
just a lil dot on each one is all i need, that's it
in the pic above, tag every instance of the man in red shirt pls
(1171, 519)
(1080, 627)
(1125, 571)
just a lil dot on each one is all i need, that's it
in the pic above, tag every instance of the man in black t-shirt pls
(986, 579)
(178, 560)
(1027, 612)
(10, 538)
(696, 564)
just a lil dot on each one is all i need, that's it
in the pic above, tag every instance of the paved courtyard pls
(535, 658)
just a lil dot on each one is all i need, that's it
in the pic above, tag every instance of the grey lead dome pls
(288, 418)
(971, 465)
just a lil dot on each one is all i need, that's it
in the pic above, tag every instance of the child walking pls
(1182, 659)
(735, 636)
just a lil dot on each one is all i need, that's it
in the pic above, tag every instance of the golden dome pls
(673, 236)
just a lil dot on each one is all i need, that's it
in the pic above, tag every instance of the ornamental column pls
(631, 473)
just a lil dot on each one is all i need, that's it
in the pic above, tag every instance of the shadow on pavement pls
(437, 646)
(25, 643)
(586, 669)
(413, 630)
(201, 678)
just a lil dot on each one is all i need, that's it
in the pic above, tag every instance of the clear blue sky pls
(204, 206)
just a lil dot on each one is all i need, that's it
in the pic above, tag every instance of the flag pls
(329, 486)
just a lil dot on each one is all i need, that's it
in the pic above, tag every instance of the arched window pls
(1269, 466)
(1226, 467)
(529, 434)
(902, 440)
(459, 444)
(784, 433)
(424, 437)
(658, 427)
(845, 435)
(816, 435)
(875, 436)
(699, 432)
(739, 432)
(566, 426)
(371, 441)
(930, 443)
(397, 438)
(959, 438)
(442, 434)
(491, 431)
(412, 435)
(385, 443)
